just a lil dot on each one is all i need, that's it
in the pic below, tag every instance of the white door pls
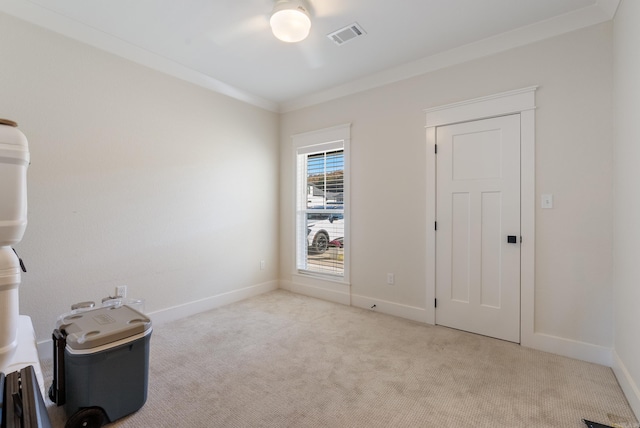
(478, 227)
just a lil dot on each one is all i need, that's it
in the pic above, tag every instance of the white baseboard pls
(543, 342)
(45, 347)
(629, 387)
(187, 309)
(341, 293)
(569, 348)
(332, 292)
(390, 308)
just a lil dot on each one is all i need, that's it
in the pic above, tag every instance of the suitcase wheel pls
(89, 417)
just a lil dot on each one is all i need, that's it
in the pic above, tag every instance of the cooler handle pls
(57, 389)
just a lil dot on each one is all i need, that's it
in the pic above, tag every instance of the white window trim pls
(302, 143)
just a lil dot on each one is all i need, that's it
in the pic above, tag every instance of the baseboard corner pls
(629, 387)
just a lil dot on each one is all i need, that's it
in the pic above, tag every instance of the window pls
(321, 202)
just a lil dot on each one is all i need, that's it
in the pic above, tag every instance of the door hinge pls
(435, 148)
(435, 225)
(435, 303)
(521, 239)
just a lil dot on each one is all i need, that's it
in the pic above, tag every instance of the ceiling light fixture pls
(290, 21)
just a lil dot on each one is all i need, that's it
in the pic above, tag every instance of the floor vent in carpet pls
(595, 424)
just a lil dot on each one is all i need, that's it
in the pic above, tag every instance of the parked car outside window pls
(324, 230)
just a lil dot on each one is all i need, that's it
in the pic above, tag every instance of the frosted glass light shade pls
(290, 22)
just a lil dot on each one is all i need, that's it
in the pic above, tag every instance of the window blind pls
(321, 210)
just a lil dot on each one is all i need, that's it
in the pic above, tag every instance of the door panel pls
(477, 207)
(460, 272)
(490, 283)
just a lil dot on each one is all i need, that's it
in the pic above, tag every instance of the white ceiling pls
(227, 46)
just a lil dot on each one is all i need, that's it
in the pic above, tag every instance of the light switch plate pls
(547, 201)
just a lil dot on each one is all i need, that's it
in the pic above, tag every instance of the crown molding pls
(601, 11)
(40, 16)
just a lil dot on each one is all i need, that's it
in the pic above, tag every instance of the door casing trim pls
(520, 101)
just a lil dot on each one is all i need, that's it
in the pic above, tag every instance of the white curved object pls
(14, 160)
(290, 21)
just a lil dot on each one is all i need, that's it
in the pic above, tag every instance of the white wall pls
(627, 200)
(141, 179)
(136, 178)
(573, 297)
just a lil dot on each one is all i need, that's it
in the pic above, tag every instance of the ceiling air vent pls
(343, 35)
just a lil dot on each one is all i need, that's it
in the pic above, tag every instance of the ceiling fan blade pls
(311, 55)
(235, 31)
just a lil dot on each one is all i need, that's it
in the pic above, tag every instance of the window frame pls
(327, 139)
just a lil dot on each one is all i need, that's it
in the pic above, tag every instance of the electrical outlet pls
(391, 278)
(121, 291)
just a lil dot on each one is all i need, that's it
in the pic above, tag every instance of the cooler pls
(101, 364)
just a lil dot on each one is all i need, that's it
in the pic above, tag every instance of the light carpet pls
(286, 360)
